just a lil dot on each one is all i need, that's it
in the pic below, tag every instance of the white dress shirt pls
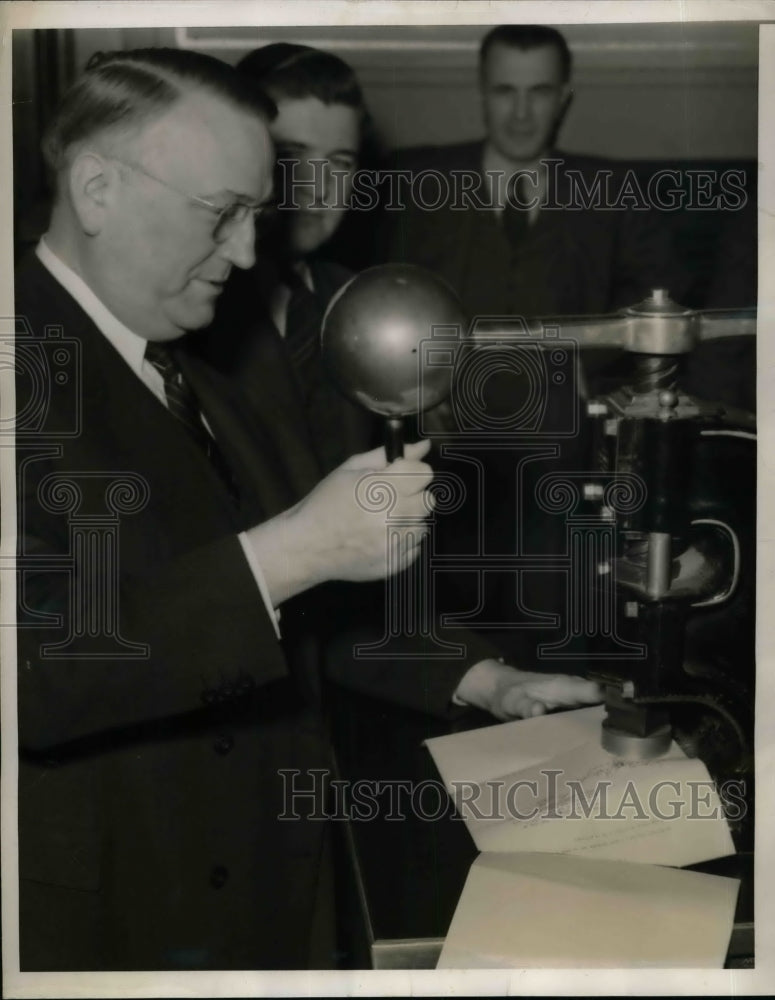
(498, 171)
(131, 347)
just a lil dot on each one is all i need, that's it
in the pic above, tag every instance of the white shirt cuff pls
(258, 576)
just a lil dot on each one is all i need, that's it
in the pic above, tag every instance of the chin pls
(526, 154)
(193, 318)
(523, 152)
(309, 235)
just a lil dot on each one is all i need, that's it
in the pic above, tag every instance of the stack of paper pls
(601, 824)
(546, 784)
(555, 911)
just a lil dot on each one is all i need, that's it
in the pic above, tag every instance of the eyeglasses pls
(228, 218)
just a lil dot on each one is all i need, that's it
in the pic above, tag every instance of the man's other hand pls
(509, 693)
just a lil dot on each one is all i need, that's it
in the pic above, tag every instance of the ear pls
(90, 182)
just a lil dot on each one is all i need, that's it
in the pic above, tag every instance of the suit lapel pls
(259, 438)
(125, 427)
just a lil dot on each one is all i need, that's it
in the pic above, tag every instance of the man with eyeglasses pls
(163, 519)
(155, 700)
(226, 217)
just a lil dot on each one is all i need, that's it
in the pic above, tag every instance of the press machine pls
(684, 559)
(682, 571)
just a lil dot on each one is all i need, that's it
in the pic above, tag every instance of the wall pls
(656, 91)
(678, 91)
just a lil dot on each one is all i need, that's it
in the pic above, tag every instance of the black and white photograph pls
(385, 551)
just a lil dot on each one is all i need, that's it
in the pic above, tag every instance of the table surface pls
(410, 872)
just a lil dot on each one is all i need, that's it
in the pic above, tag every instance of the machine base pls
(628, 746)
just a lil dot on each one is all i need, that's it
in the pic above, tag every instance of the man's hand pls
(338, 531)
(509, 693)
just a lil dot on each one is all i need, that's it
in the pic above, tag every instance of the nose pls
(522, 105)
(315, 187)
(329, 184)
(239, 247)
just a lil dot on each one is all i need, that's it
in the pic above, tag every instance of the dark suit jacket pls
(150, 786)
(579, 261)
(244, 331)
(148, 790)
(246, 347)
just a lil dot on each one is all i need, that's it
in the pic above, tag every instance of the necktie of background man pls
(303, 319)
(324, 407)
(515, 216)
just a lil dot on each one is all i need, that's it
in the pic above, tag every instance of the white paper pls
(556, 911)
(546, 784)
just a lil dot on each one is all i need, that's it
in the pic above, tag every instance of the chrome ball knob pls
(376, 333)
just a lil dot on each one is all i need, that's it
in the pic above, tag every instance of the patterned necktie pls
(182, 404)
(181, 401)
(515, 218)
(303, 320)
(326, 410)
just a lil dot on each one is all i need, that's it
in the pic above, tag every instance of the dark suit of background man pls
(163, 518)
(527, 256)
(318, 132)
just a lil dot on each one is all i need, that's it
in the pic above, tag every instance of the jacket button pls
(222, 744)
(219, 876)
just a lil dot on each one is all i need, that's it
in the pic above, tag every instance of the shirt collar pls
(129, 345)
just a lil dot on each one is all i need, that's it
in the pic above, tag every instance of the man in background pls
(523, 233)
(530, 237)
(318, 133)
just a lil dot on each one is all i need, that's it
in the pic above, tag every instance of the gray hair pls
(129, 89)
